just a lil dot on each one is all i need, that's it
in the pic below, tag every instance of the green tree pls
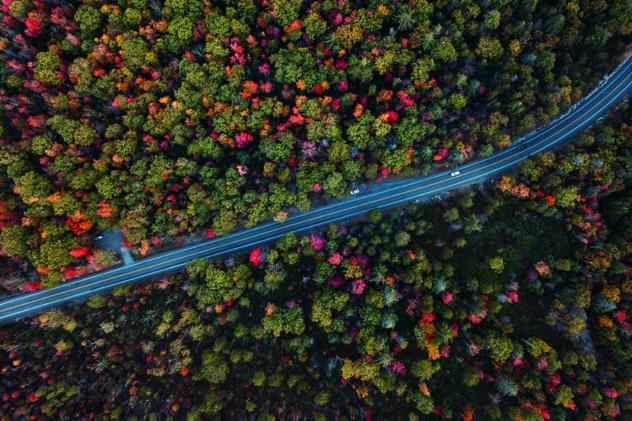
(564, 395)
(89, 19)
(424, 369)
(444, 50)
(287, 321)
(497, 264)
(47, 64)
(458, 101)
(32, 187)
(292, 65)
(65, 127)
(492, 19)
(423, 403)
(566, 197)
(472, 224)
(135, 52)
(451, 215)
(421, 69)
(286, 11)
(214, 368)
(85, 135)
(402, 238)
(489, 48)
(334, 185)
(218, 285)
(314, 25)
(181, 31)
(14, 240)
(53, 253)
(499, 347)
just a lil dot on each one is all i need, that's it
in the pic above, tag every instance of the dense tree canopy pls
(518, 308)
(166, 118)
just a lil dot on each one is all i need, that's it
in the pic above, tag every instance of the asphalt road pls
(614, 90)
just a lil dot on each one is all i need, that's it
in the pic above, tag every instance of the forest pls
(172, 119)
(506, 301)
(183, 118)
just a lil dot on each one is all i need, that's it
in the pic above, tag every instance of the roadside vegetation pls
(508, 301)
(170, 118)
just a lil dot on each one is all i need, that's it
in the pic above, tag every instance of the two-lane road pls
(611, 92)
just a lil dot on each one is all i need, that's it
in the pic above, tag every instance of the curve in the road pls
(613, 90)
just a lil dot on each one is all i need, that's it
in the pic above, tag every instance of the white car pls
(355, 191)
(455, 173)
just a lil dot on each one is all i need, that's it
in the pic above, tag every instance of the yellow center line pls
(188, 256)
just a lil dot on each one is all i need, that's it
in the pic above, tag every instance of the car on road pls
(98, 237)
(355, 191)
(455, 173)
